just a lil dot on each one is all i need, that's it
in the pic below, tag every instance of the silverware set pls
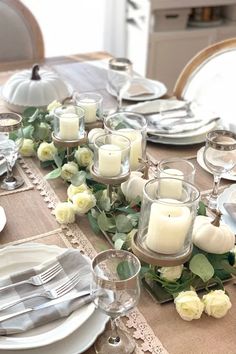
(52, 294)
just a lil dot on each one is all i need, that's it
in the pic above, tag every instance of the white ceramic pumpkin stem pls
(216, 221)
(35, 72)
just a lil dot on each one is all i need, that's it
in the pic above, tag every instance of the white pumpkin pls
(29, 88)
(133, 187)
(212, 236)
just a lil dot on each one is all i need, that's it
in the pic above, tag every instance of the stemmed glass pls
(119, 76)
(116, 281)
(11, 140)
(220, 157)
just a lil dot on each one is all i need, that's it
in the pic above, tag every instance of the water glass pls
(116, 282)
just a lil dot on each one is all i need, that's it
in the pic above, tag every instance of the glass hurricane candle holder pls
(69, 123)
(134, 127)
(165, 228)
(111, 156)
(177, 168)
(92, 104)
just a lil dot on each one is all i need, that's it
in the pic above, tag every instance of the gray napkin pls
(71, 261)
(231, 209)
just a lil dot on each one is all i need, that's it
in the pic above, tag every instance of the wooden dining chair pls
(198, 62)
(20, 35)
(209, 79)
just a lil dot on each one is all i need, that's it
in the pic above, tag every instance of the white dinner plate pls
(231, 176)
(26, 256)
(157, 88)
(227, 196)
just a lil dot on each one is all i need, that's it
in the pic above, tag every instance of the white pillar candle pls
(109, 160)
(135, 138)
(69, 126)
(168, 227)
(171, 188)
(90, 109)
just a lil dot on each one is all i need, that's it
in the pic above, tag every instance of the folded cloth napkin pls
(139, 89)
(231, 209)
(72, 261)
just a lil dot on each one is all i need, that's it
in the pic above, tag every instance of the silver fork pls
(54, 293)
(38, 279)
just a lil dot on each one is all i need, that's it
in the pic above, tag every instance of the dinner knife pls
(85, 296)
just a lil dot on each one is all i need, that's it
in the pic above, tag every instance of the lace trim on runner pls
(135, 320)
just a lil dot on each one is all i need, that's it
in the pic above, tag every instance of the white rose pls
(68, 170)
(53, 105)
(188, 305)
(216, 303)
(65, 213)
(72, 190)
(171, 273)
(46, 151)
(84, 156)
(95, 133)
(27, 148)
(83, 202)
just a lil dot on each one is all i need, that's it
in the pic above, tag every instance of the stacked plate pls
(176, 122)
(71, 335)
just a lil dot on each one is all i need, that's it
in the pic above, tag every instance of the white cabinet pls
(162, 54)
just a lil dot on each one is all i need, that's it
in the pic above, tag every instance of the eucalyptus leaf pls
(29, 112)
(134, 218)
(123, 223)
(54, 174)
(119, 235)
(105, 223)
(79, 178)
(58, 160)
(34, 116)
(28, 132)
(200, 266)
(125, 270)
(93, 223)
(119, 244)
(201, 209)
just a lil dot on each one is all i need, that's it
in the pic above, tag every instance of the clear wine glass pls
(119, 77)
(11, 140)
(116, 279)
(220, 157)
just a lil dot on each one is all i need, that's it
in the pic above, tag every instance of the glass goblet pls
(11, 140)
(119, 76)
(116, 279)
(219, 156)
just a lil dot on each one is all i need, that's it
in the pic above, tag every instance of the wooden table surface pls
(29, 219)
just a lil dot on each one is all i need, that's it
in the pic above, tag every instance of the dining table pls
(157, 328)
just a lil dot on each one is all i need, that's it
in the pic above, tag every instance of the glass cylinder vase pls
(165, 228)
(69, 123)
(134, 127)
(111, 155)
(92, 104)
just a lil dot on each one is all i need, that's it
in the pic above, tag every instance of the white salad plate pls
(157, 89)
(231, 176)
(22, 257)
(227, 196)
